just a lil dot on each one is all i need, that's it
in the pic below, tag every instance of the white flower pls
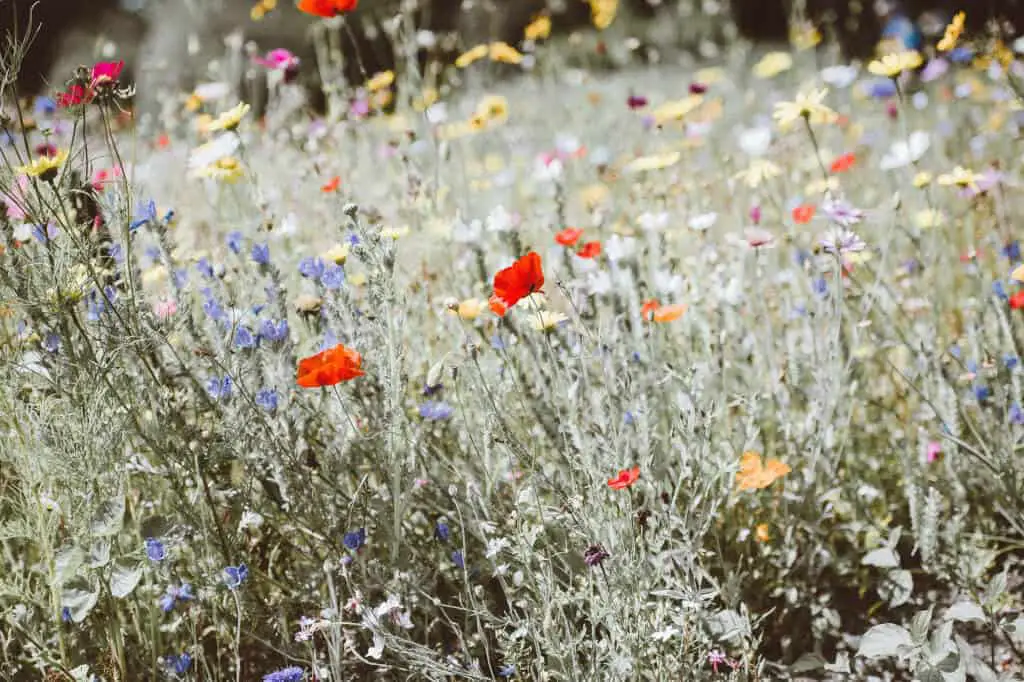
(666, 282)
(653, 221)
(220, 147)
(703, 221)
(376, 651)
(467, 232)
(387, 606)
(499, 220)
(495, 547)
(250, 519)
(664, 635)
(839, 76)
(618, 247)
(599, 283)
(547, 171)
(437, 113)
(755, 141)
(903, 154)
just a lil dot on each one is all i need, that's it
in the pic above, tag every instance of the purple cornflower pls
(178, 664)
(313, 268)
(442, 532)
(267, 399)
(155, 549)
(841, 212)
(355, 539)
(594, 555)
(842, 241)
(333, 277)
(436, 410)
(146, 213)
(234, 241)
(65, 615)
(219, 388)
(274, 331)
(44, 233)
(1016, 415)
(173, 595)
(51, 342)
(204, 268)
(244, 338)
(290, 674)
(234, 576)
(260, 254)
(458, 560)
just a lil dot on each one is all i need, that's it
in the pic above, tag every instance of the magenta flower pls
(933, 451)
(106, 72)
(278, 59)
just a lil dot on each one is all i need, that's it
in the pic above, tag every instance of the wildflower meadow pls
(517, 366)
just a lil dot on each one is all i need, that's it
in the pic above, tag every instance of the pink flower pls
(104, 176)
(16, 199)
(933, 451)
(755, 215)
(279, 59)
(76, 94)
(106, 72)
(165, 308)
(757, 237)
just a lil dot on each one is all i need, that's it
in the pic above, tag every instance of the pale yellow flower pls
(892, 65)
(807, 105)
(473, 54)
(676, 109)
(953, 32)
(358, 279)
(539, 28)
(772, 64)
(505, 53)
(469, 309)
(337, 254)
(1018, 274)
(960, 177)
(922, 179)
(228, 169)
(394, 232)
(929, 218)
(758, 171)
(823, 185)
(547, 320)
(493, 108)
(230, 119)
(803, 35)
(427, 99)
(652, 162)
(381, 80)
(44, 167)
(602, 13)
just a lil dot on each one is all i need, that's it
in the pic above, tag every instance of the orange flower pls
(569, 236)
(327, 8)
(669, 313)
(590, 250)
(331, 185)
(163, 141)
(330, 367)
(516, 282)
(843, 163)
(648, 309)
(755, 474)
(761, 533)
(803, 213)
(626, 478)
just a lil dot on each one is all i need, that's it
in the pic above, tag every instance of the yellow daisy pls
(337, 254)
(960, 177)
(772, 64)
(807, 105)
(892, 65)
(230, 119)
(228, 170)
(602, 13)
(539, 28)
(547, 320)
(505, 53)
(953, 33)
(758, 171)
(471, 55)
(381, 80)
(45, 167)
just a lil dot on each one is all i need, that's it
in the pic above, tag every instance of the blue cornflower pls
(1012, 250)
(333, 277)
(219, 388)
(635, 356)
(267, 399)
(881, 88)
(982, 392)
(44, 233)
(116, 253)
(45, 106)
(204, 268)
(497, 343)
(1016, 415)
(442, 531)
(153, 254)
(261, 254)
(65, 615)
(961, 55)
(355, 539)
(352, 238)
(290, 674)
(436, 410)
(213, 308)
(155, 550)
(234, 576)
(178, 664)
(1010, 360)
(429, 390)
(954, 351)
(180, 277)
(175, 594)
(458, 560)
(312, 268)
(820, 286)
(999, 290)
(629, 418)
(51, 342)
(146, 213)
(234, 241)
(244, 338)
(507, 670)
(274, 331)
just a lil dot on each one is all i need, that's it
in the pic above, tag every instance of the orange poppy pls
(843, 163)
(327, 8)
(569, 236)
(590, 250)
(331, 184)
(626, 478)
(330, 367)
(803, 213)
(755, 474)
(516, 282)
(648, 309)
(669, 313)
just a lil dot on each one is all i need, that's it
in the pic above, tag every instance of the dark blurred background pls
(162, 39)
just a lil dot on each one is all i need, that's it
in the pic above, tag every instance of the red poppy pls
(516, 282)
(626, 478)
(803, 213)
(590, 250)
(331, 184)
(327, 8)
(569, 236)
(329, 367)
(843, 163)
(1017, 300)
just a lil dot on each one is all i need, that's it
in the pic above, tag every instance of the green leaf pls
(99, 553)
(965, 612)
(66, 563)
(79, 597)
(883, 641)
(125, 577)
(897, 587)
(108, 518)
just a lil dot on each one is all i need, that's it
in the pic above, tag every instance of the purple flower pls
(234, 576)
(290, 674)
(458, 560)
(234, 240)
(244, 338)
(65, 615)
(44, 233)
(436, 410)
(155, 550)
(313, 268)
(442, 532)
(178, 664)
(355, 539)
(219, 388)
(1016, 415)
(274, 331)
(842, 241)
(936, 68)
(841, 212)
(175, 594)
(333, 277)
(51, 342)
(204, 268)
(146, 213)
(594, 555)
(261, 254)
(267, 399)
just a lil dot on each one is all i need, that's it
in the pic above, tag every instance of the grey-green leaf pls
(965, 612)
(883, 557)
(99, 553)
(125, 577)
(883, 641)
(108, 518)
(66, 563)
(79, 598)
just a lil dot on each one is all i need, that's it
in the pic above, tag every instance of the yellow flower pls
(953, 32)
(470, 56)
(960, 177)
(652, 162)
(759, 171)
(469, 309)
(505, 53)
(193, 103)
(539, 28)
(427, 99)
(45, 167)
(602, 13)
(594, 196)
(803, 35)
(381, 80)
(930, 218)
(358, 279)
(546, 320)
(823, 185)
(772, 64)
(710, 75)
(922, 179)
(676, 109)
(1018, 274)
(761, 533)
(892, 65)
(230, 119)
(394, 232)
(807, 105)
(337, 254)
(229, 170)
(493, 108)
